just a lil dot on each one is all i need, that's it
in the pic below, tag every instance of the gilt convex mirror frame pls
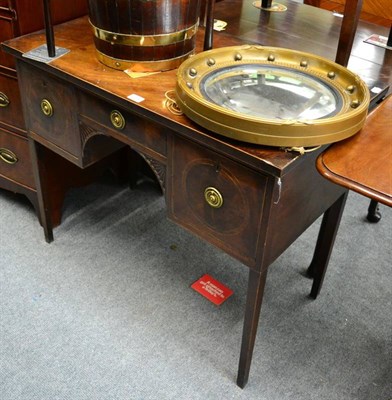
(272, 96)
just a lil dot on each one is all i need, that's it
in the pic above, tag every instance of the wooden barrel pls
(144, 35)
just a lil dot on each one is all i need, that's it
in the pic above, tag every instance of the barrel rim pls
(144, 40)
(143, 66)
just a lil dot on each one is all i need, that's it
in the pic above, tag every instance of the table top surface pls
(363, 163)
(310, 29)
(301, 27)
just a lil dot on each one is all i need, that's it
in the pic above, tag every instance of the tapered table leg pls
(254, 299)
(325, 241)
(374, 214)
(43, 210)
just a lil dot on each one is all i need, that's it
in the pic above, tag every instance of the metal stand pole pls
(209, 29)
(266, 3)
(47, 52)
(49, 29)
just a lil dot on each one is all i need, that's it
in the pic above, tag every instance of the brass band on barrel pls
(144, 37)
(141, 66)
(144, 40)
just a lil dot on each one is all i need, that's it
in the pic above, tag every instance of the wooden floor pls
(332, 6)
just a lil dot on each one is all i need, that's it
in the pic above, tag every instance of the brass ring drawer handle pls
(8, 156)
(213, 197)
(117, 119)
(4, 100)
(46, 107)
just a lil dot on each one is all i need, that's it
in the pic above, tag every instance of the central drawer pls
(110, 120)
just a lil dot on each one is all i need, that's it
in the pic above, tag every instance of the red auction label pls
(213, 290)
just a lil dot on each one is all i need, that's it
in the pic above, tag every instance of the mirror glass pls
(271, 92)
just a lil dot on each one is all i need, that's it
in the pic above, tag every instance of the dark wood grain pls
(234, 227)
(11, 116)
(81, 66)
(369, 12)
(303, 196)
(270, 196)
(309, 29)
(19, 17)
(141, 19)
(21, 171)
(348, 29)
(325, 241)
(363, 163)
(254, 299)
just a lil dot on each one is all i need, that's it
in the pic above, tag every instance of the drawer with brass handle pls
(216, 198)
(4, 100)
(50, 112)
(46, 108)
(15, 161)
(11, 116)
(8, 156)
(116, 122)
(53, 117)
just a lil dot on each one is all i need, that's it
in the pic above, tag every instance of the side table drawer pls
(6, 32)
(10, 104)
(15, 162)
(50, 111)
(216, 198)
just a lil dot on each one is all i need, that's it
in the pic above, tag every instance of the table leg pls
(352, 11)
(374, 214)
(389, 41)
(43, 210)
(325, 241)
(254, 299)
